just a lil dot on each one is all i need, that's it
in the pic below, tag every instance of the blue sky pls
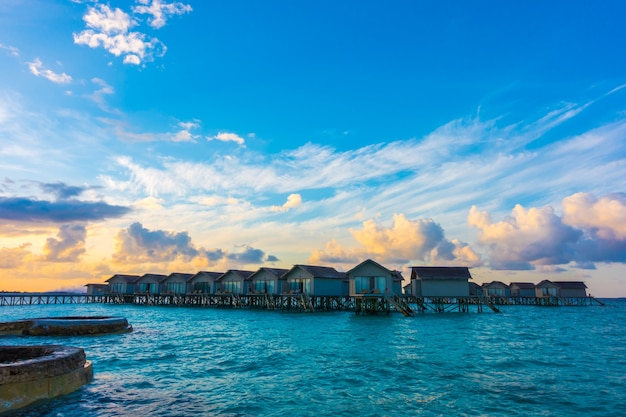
(157, 136)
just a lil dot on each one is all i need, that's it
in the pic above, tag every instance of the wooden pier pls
(370, 304)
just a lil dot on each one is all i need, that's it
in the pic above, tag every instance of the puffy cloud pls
(591, 230)
(249, 255)
(109, 29)
(227, 137)
(406, 240)
(36, 68)
(13, 257)
(293, 201)
(603, 221)
(160, 10)
(604, 217)
(137, 243)
(28, 210)
(536, 236)
(69, 246)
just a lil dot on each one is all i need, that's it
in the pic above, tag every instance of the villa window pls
(370, 285)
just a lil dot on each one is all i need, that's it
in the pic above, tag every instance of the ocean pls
(195, 361)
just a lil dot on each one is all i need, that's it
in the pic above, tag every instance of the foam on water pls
(180, 361)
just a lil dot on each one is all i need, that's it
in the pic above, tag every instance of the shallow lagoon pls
(180, 361)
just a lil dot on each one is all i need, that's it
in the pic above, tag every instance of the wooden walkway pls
(367, 304)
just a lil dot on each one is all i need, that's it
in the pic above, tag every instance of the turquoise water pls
(548, 361)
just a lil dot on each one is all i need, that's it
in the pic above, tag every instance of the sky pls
(153, 136)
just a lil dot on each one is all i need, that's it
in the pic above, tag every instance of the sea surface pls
(180, 361)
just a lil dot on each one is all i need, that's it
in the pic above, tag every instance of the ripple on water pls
(206, 362)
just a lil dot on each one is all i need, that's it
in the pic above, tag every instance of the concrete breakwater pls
(66, 326)
(33, 373)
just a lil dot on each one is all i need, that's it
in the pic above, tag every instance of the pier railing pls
(370, 304)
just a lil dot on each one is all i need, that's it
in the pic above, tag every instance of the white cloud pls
(110, 29)
(160, 10)
(293, 201)
(604, 216)
(37, 69)
(109, 21)
(227, 137)
(404, 241)
(590, 230)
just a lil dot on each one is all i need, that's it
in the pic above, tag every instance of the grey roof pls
(320, 271)
(240, 273)
(277, 272)
(440, 272)
(570, 285)
(523, 285)
(495, 284)
(210, 274)
(183, 275)
(396, 275)
(157, 277)
(129, 279)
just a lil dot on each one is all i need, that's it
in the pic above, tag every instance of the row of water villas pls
(367, 288)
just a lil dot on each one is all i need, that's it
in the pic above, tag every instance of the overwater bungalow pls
(475, 290)
(150, 284)
(546, 288)
(522, 289)
(561, 289)
(204, 282)
(233, 281)
(370, 277)
(571, 289)
(97, 289)
(265, 281)
(122, 283)
(315, 280)
(177, 283)
(496, 289)
(440, 281)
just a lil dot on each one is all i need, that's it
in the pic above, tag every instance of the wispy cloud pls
(29, 210)
(37, 69)
(160, 11)
(11, 50)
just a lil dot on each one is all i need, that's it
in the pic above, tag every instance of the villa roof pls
(157, 277)
(183, 275)
(440, 273)
(277, 272)
(570, 285)
(320, 271)
(238, 272)
(522, 285)
(396, 275)
(494, 284)
(210, 274)
(129, 279)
